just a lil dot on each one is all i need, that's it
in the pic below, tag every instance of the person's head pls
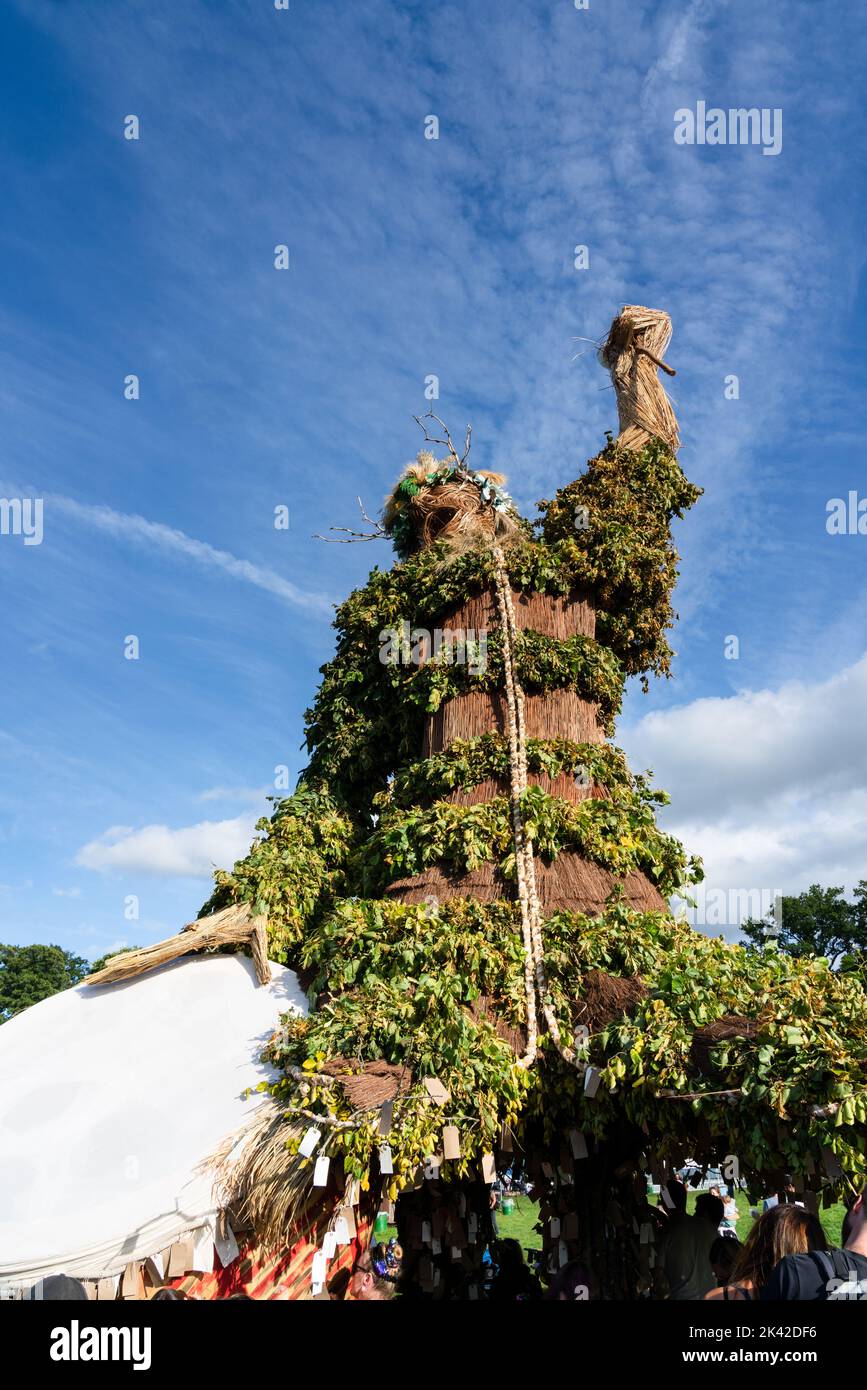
(714, 1191)
(781, 1231)
(723, 1257)
(855, 1220)
(709, 1208)
(59, 1287)
(169, 1296)
(368, 1282)
(509, 1254)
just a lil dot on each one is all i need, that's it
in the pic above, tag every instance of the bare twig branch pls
(448, 443)
(352, 537)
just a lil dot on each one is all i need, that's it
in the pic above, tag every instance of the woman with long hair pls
(783, 1230)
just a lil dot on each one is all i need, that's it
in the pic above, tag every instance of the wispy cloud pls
(192, 851)
(138, 530)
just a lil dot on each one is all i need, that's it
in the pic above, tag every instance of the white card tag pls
(320, 1172)
(352, 1195)
(563, 1253)
(318, 1269)
(226, 1246)
(592, 1077)
(203, 1250)
(472, 1227)
(386, 1166)
(646, 1235)
(555, 1227)
(341, 1231)
(436, 1246)
(309, 1142)
(329, 1244)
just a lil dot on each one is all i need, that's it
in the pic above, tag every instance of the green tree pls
(31, 973)
(102, 961)
(819, 922)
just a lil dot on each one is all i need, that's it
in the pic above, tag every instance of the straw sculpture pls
(633, 352)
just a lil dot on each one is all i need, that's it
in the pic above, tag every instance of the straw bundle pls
(235, 925)
(266, 1187)
(433, 501)
(632, 352)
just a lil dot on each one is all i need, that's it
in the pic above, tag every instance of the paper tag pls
(506, 1140)
(436, 1246)
(645, 1236)
(106, 1289)
(548, 1170)
(203, 1250)
(592, 1077)
(457, 1253)
(318, 1269)
(562, 1253)
(577, 1143)
(309, 1142)
(320, 1172)
(385, 1115)
(341, 1230)
(451, 1142)
(426, 1233)
(349, 1217)
(489, 1168)
(386, 1167)
(352, 1195)
(554, 1227)
(472, 1227)
(226, 1245)
(666, 1199)
(329, 1244)
(156, 1268)
(180, 1259)
(462, 1204)
(438, 1093)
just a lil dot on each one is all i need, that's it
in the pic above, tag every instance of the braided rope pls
(535, 978)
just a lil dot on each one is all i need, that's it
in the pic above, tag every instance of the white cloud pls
(137, 529)
(191, 851)
(768, 786)
(66, 892)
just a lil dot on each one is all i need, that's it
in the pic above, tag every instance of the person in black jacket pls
(826, 1274)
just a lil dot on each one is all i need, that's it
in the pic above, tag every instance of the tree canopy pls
(31, 973)
(818, 922)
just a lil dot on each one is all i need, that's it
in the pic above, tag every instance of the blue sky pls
(408, 257)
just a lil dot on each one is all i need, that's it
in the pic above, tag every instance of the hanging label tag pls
(309, 1142)
(435, 1089)
(226, 1245)
(563, 1253)
(489, 1168)
(349, 1217)
(577, 1143)
(329, 1244)
(318, 1269)
(436, 1246)
(203, 1250)
(592, 1077)
(426, 1233)
(386, 1167)
(352, 1195)
(666, 1199)
(646, 1234)
(341, 1230)
(555, 1227)
(506, 1140)
(320, 1172)
(385, 1115)
(451, 1142)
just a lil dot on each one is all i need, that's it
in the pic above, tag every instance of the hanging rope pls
(535, 979)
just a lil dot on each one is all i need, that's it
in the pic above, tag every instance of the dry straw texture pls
(633, 353)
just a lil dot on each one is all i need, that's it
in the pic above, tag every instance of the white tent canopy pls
(111, 1097)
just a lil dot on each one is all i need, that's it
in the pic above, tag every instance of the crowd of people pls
(786, 1256)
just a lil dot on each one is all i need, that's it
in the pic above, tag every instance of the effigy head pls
(443, 500)
(633, 353)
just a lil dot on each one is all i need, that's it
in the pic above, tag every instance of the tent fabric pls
(112, 1096)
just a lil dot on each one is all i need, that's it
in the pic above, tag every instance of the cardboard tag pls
(426, 1233)
(489, 1168)
(309, 1142)
(341, 1230)
(385, 1116)
(156, 1270)
(132, 1282)
(352, 1195)
(577, 1143)
(226, 1245)
(554, 1228)
(106, 1289)
(349, 1217)
(320, 1172)
(451, 1142)
(438, 1093)
(180, 1260)
(506, 1140)
(562, 1253)
(472, 1227)
(457, 1253)
(592, 1077)
(386, 1167)
(329, 1245)
(645, 1236)
(436, 1246)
